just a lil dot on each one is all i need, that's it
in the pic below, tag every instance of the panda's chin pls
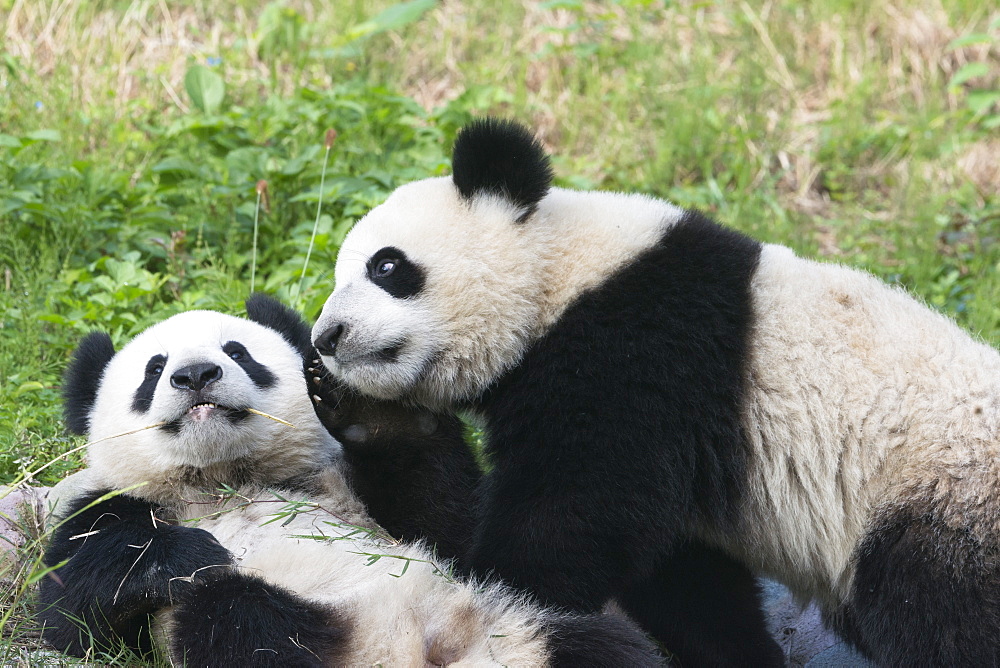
(374, 377)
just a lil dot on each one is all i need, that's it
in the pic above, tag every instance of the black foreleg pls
(121, 562)
(705, 608)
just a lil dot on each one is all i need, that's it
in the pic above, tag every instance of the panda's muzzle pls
(326, 342)
(334, 338)
(196, 377)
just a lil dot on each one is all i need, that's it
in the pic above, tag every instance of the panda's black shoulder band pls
(501, 157)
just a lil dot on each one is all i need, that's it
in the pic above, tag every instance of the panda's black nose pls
(326, 343)
(196, 376)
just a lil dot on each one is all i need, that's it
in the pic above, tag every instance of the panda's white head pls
(440, 289)
(196, 375)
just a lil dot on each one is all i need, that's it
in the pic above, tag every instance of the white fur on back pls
(493, 285)
(858, 395)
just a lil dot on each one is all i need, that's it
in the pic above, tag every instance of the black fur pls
(593, 641)
(82, 378)
(258, 373)
(412, 468)
(268, 311)
(926, 590)
(407, 278)
(119, 574)
(241, 620)
(701, 593)
(591, 489)
(500, 157)
(143, 397)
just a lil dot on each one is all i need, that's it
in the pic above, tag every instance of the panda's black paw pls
(354, 419)
(326, 393)
(116, 561)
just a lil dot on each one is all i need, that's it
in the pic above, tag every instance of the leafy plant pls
(982, 100)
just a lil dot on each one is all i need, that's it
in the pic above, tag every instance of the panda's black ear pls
(268, 311)
(83, 378)
(500, 157)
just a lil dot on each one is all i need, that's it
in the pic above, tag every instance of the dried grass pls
(814, 60)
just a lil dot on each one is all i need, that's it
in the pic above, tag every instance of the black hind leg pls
(579, 641)
(705, 608)
(927, 590)
(241, 620)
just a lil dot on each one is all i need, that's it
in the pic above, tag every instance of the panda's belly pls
(404, 609)
(857, 396)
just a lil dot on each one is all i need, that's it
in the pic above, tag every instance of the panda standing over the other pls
(242, 535)
(672, 407)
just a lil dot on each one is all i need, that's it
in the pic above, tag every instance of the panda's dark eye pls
(258, 373)
(390, 269)
(154, 367)
(384, 267)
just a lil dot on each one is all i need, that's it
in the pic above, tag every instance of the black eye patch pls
(143, 396)
(390, 270)
(258, 373)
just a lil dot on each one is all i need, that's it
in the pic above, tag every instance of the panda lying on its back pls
(672, 406)
(228, 587)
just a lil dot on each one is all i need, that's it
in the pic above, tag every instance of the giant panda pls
(240, 532)
(672, 407)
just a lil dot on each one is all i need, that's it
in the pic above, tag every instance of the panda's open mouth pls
(205, 411)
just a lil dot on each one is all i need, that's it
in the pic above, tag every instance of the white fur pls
(494, 287)
(422, 617)
(859, 397)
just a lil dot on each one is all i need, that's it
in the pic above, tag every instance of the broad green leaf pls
(391, 18)
(30, 386)
(968, 40)
(968, 71)
(205, 88)
(44, 135)
(401, 15)
(179, 166)
(980, 101)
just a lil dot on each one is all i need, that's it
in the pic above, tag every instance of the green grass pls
(127, 195)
